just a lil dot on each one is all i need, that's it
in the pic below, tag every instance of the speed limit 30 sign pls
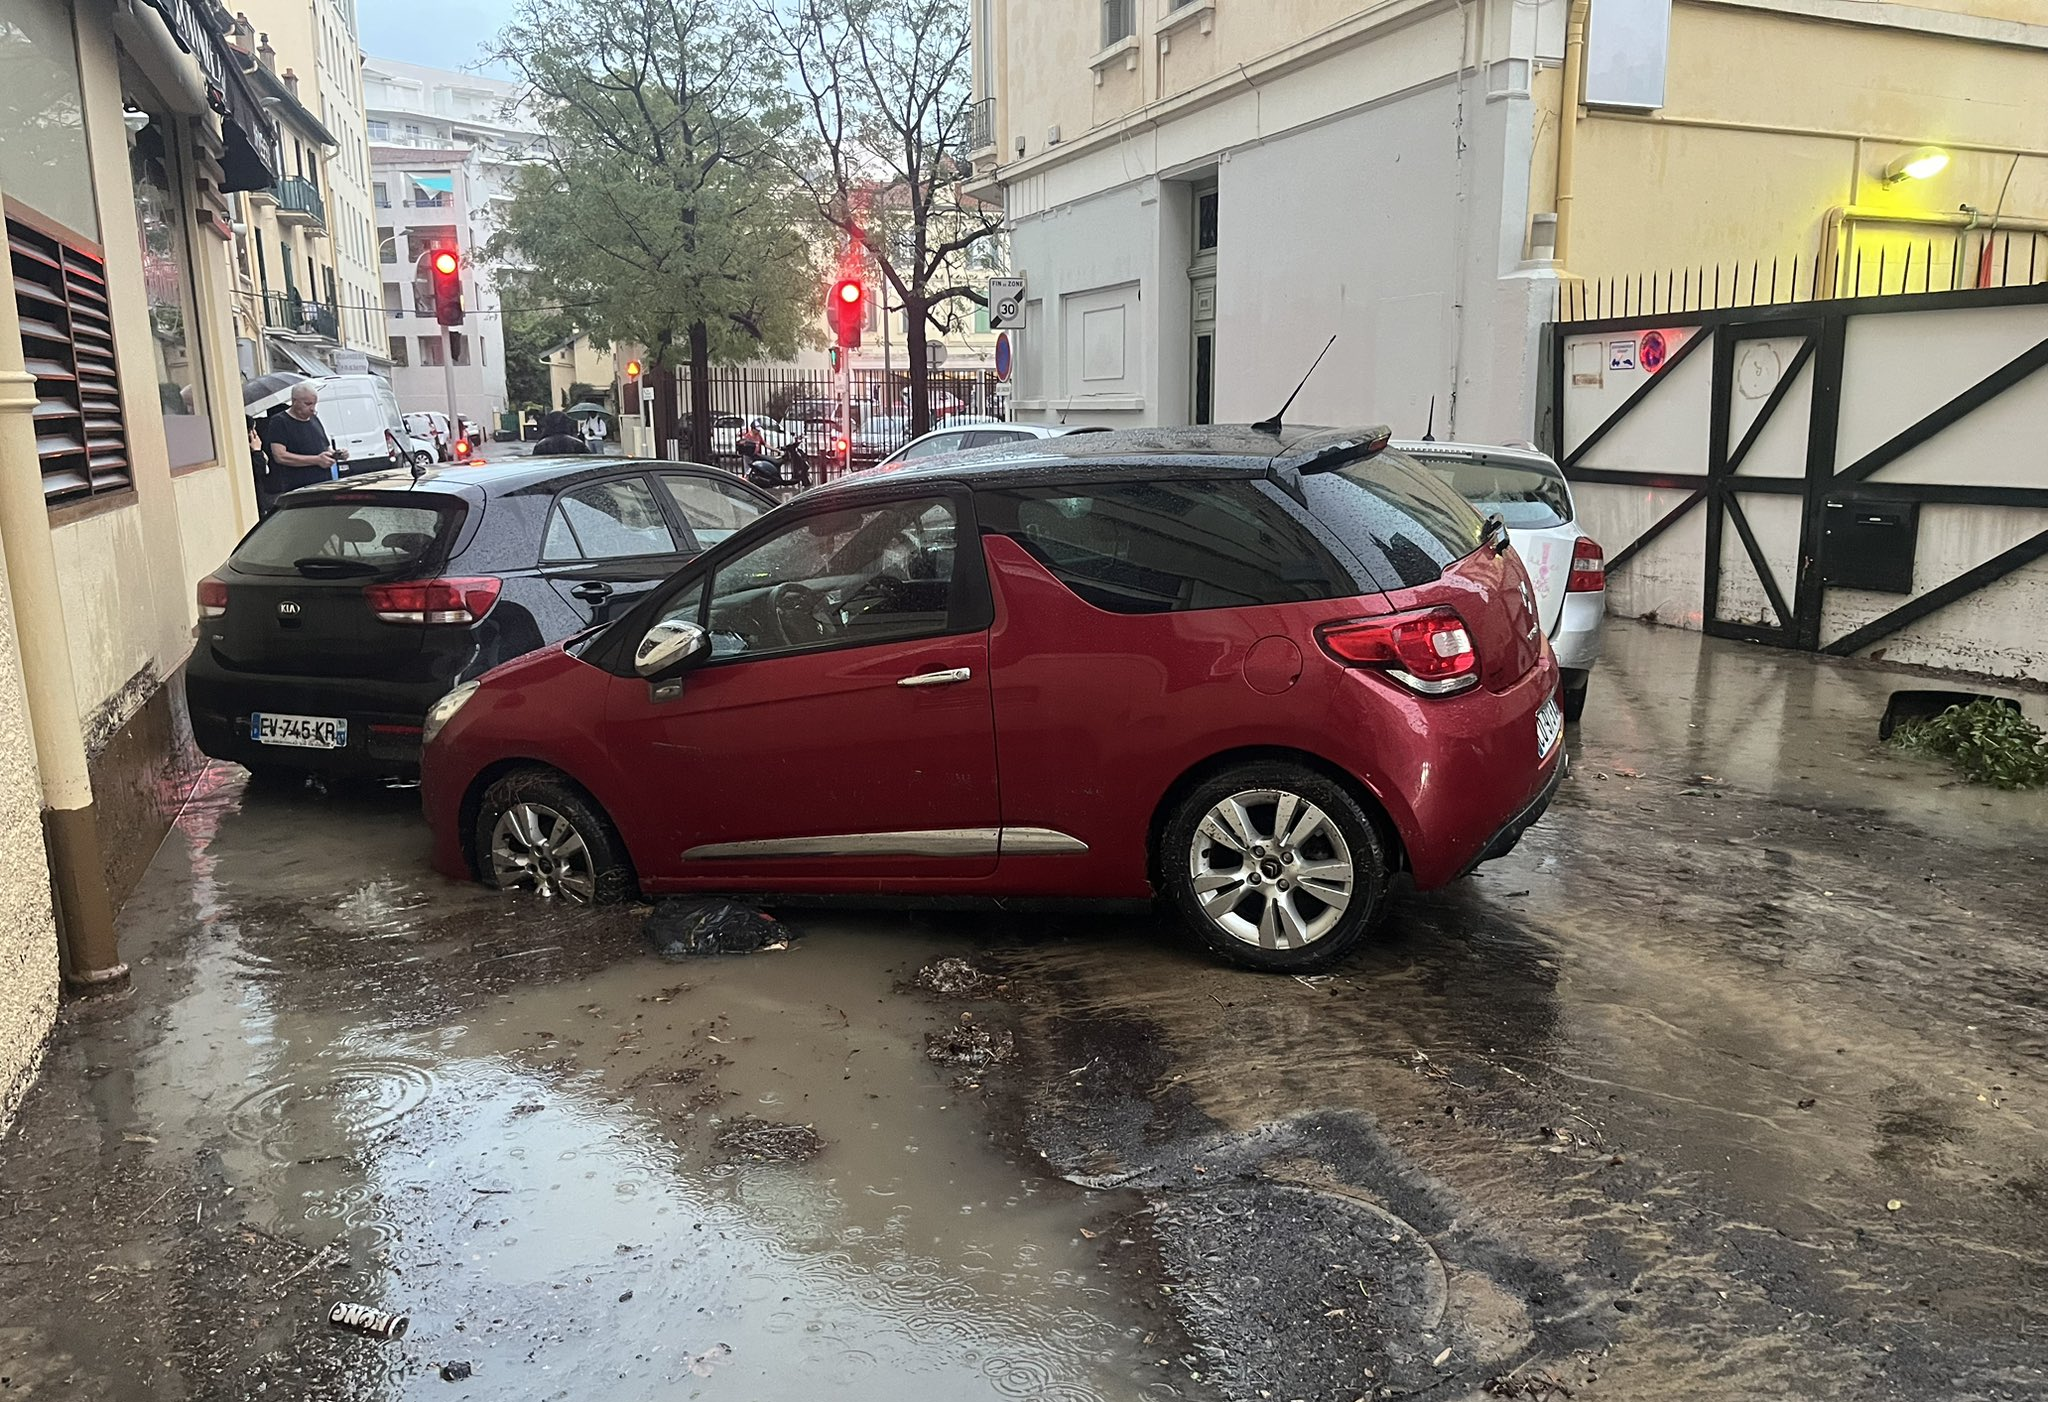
(1006, 304)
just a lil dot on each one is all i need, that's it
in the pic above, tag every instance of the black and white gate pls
(1851, 476)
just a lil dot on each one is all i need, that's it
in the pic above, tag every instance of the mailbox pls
(1869, 543)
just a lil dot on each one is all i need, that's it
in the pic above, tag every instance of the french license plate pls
(1549, 726)
(299, 732)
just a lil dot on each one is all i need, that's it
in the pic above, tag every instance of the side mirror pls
(667, 646)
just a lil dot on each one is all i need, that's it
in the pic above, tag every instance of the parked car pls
(1567, 568)
(877, 438)
(345, 614)
(956, 438)
(726, 429)
(1258, 673)
(431, 427)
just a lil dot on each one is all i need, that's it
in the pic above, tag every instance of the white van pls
(361, 415)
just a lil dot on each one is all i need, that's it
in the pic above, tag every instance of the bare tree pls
(880, 145)
(659, 208)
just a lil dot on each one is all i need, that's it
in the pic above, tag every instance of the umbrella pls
(266, 392)
(586, 408)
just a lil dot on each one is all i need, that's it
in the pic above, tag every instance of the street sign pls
(1003, 356)
(1006, 303)
(934, 354)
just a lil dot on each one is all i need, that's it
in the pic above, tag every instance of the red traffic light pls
(849, 292)
(445, 263)
(845, 311)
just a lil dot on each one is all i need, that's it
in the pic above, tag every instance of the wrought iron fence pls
(1951, 262)
(981, 125)
(803, 406)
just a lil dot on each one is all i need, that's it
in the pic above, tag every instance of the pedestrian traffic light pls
(847, 310)
(446, 265)
(833, 359)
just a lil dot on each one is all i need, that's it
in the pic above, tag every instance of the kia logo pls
(288, 609)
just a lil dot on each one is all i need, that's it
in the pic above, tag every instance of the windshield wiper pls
(334, 565)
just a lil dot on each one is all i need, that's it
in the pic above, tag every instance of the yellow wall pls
(581, 363)
(28, 931)
(1677, 190)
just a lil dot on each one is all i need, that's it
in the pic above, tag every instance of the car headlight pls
(443, 711)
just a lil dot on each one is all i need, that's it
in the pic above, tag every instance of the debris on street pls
(969, 1044)
(455, 1372)
(762, 1141)
(954, 977)
(683, 928)
(368, 1320)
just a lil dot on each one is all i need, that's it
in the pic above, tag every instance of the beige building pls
(307, 255)
(123, 459)
(578, 361)
(1202, 192)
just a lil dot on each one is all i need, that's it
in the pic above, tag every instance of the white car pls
(1529, 493)
(726, 429)
(957, 438)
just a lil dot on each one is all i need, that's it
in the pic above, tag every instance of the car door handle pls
(945, 678)
(594, 591)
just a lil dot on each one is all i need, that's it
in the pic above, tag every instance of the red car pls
(1258, 673)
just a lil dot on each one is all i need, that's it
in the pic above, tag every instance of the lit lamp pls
(1923, 164)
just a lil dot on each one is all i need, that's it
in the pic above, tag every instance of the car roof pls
(504, 477)
(1213, 450)
(1501, 454)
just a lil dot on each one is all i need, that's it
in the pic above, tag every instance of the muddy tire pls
(1576, 684)
(1274, 867)
(536, 831)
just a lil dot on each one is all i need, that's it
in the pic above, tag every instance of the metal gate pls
(1838, 476)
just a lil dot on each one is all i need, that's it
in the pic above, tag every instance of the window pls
(1170, 547)
(458, 348)
(379, 131)
(933, 446)
(840, 578)
(384, 536)
(43, 158)
(614, 520)
(175, 349)
(1206, 207)
(1526, 495)
(712, 509)
(394, 299)
(398, 356)
(1119, 21)
(1404, 525)
(430, 350)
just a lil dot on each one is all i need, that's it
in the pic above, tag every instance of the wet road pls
(1720, 1087)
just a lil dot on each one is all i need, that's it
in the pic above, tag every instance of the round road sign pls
(1003, 356)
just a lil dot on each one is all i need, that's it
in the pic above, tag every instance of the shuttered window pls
(67, 339)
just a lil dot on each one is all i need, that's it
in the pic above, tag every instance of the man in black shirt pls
(298, 447)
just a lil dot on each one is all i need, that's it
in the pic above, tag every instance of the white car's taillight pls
(1589, 567)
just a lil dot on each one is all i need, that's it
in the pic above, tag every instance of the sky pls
(438, 33)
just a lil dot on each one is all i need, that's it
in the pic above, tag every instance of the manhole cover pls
(1305, 1293)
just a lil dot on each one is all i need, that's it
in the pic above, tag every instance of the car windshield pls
(347, 535)
(1521, 494)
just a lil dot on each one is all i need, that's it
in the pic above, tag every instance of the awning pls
(435, 184)
(251, 160)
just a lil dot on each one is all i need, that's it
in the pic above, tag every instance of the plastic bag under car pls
(684, 927)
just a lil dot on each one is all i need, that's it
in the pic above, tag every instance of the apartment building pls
(443, 147)
(123, 460)
(1203, 192)
(310, 253)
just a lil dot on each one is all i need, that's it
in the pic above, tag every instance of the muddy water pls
(339, 1078)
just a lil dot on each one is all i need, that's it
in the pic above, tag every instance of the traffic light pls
(446, 266)
(847, 310)
(632, 369)
(833, 359)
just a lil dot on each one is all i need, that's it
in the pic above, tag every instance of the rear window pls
(1169, 547)
(1531, 498)
(1404, 524)
(361, 536)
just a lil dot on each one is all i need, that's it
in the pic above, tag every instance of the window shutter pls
(67, 340)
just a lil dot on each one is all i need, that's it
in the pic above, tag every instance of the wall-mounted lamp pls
(136, 121)
(1923, 164)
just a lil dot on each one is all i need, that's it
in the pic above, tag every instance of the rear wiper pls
(333, 565)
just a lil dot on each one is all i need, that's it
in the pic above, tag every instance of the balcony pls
(981, 126)
(299, 202)
(295, 315)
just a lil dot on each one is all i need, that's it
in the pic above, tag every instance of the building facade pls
(444, 146)
(1202, 193)
(309, 246)
(123, 457)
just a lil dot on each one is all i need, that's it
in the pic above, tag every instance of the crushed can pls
(367, 1319)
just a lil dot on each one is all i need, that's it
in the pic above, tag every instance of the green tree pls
(879, 143)
(529, 336)
(656, 211)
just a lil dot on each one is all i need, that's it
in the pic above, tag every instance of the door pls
(842, 730)
(607, 543)
(1760, 581)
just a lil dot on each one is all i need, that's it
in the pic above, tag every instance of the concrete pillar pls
(85, 914)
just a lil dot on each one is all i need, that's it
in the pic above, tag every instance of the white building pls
(443, 147)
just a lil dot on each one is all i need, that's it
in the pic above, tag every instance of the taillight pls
(1428, 651)
(433, 600)
(839, 446)
(213, 598)
(463, 450)
(1589, 567)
